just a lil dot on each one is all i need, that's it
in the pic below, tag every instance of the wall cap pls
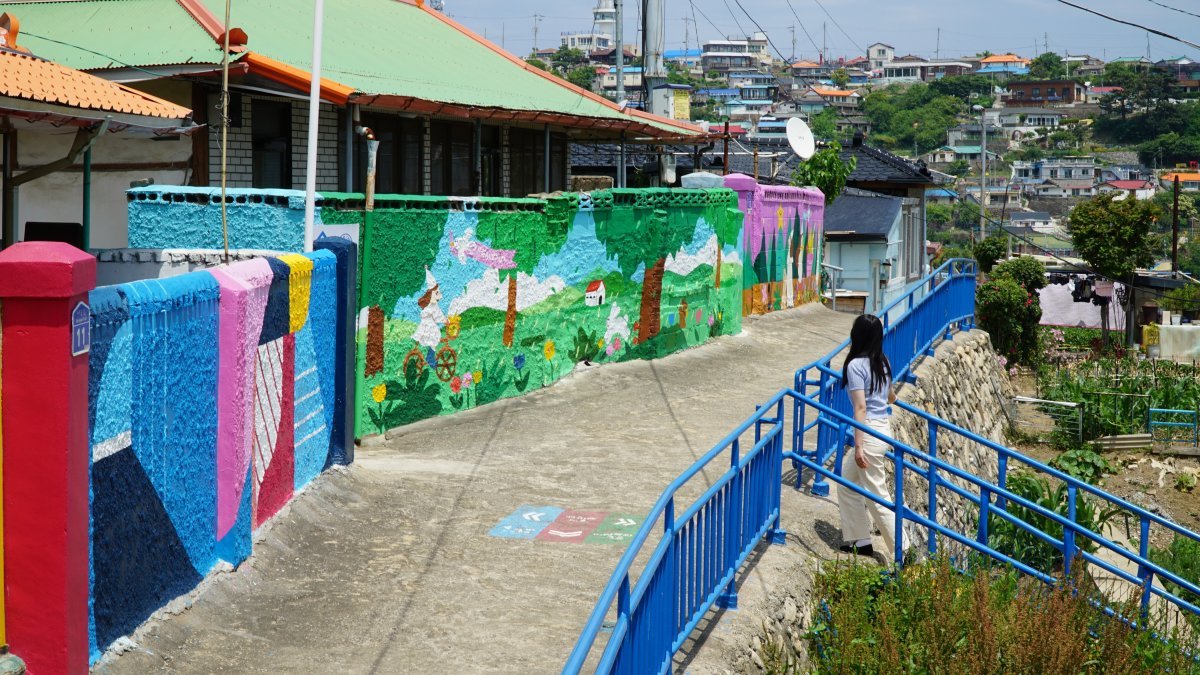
(45, 269)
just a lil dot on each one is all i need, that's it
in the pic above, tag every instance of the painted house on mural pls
(70, 137)
(454, 114)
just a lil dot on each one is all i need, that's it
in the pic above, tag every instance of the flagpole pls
(314, 109)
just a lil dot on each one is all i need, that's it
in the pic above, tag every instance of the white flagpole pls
(314, 108)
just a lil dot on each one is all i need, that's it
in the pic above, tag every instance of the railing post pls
(777, 534)
(933, 485)
(898, 495)
(46, 337)
(732, 535)
(1002, 479)
(985, 503)
(1144, 573)
(1069, 533)
(820, 486)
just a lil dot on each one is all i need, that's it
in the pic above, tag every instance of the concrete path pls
(389, 567)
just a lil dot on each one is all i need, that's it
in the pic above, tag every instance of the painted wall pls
(781, 242)
(467, 302)
(212, 401)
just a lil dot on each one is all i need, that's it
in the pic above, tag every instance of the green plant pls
(990, 250)
(586, 347)
(1020, 544)
(1186, 298)
(826, 171)
(1185, 482)
(1181, 557)
(1010, 314)
(1084, 464)
(1028, 272)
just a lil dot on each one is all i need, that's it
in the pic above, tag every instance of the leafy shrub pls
(1084, 464)
(1010, 314)
(1186, 298)
(1020, 544)
(1181, 557)
(988, 251)
(1185, 482)
(1026, 271)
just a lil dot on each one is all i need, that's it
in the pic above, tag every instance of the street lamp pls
(982, 170)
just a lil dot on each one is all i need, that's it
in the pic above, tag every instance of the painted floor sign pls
(526, 522)
(553, 524)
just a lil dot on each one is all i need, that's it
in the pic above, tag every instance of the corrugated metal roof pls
(33, 79)
(116, 33)
(395, 48)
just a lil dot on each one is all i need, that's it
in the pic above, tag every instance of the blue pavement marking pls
(526, 522)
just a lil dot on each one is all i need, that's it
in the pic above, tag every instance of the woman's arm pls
(858, 399)
(891, 395)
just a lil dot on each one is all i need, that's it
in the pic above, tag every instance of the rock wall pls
(963, 383)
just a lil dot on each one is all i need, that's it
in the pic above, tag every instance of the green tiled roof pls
(114, 33)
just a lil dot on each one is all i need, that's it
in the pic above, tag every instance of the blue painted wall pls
(190, 217)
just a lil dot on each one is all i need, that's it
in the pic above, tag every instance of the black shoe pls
(867, 550)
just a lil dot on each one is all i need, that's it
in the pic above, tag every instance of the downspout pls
(351, 120)
(372, 153)
(546, 161)
(87, 199)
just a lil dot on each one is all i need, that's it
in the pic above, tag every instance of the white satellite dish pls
(801, 138)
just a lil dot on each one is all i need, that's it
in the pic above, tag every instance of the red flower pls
(456, 384)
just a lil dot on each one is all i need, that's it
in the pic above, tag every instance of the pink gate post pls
(44, 415)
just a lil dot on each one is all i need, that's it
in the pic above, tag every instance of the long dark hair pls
(866, 341)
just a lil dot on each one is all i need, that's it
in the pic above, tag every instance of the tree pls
(959, 167)
(966, 214)
(826, 171)
(1165, 199)
(990, 250)
(1048, 66)
(582, 77)
(530, 239)
(643, 238)
(1026, 271)
(824, 124)
(962, 87)
(939, 215)
(567, 58)
(1114, 238)
(537, 63)
(840, 77)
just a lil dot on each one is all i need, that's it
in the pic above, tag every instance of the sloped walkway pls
(390, 566)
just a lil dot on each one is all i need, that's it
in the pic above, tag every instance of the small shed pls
(594, 295)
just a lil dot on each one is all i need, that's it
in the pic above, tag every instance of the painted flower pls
(616, 343)
(467, 380)
(456, 384)
(609, 350)
(519, 361)
(711, 320)
(379, 392)
(478, 377)
(548, 350)
(699, 315)
(600, 343)
(453, 326)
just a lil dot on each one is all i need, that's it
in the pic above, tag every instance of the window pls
(271, 140)
(400, 158)
(1037, 92)
(450, 158)
(1050, 91)
(914, 242)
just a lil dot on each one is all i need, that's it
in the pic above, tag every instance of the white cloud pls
(683, 263)
(490, 291)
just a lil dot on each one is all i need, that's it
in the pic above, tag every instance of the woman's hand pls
(860, 458)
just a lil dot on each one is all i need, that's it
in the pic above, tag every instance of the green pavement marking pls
(617, 528)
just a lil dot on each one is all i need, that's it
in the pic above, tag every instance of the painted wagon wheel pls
(447, 361)
(413, 356)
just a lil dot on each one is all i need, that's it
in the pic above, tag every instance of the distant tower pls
(605, 17)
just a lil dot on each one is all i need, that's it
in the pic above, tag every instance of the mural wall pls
(212, 399)
(782, 243)
(464, 302)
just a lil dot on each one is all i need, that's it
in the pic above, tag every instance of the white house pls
(594, 295)
(879, 54)
(1141, 189)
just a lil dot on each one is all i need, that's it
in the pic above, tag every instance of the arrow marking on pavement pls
(560, 533)
(625, 522)
(535, 516)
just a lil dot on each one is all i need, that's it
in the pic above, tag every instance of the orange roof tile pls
(833, 92)
(28, 77)
(1004, 58)
(805, 64)
(1170, 177)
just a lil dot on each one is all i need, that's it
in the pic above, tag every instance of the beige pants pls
(858, 511)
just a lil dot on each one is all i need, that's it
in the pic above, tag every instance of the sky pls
(967, 26)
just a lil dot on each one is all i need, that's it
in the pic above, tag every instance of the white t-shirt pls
(858, 378)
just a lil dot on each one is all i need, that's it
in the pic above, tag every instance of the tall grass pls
(931, 618)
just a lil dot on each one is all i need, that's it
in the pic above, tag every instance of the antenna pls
(800, 137)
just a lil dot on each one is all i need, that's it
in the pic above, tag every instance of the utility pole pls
(793, 29)
(686, 41)
(1174, 230)
(537, 19)
(1148, 47)
(1046, 43)
(620, 62)
(824, 37)
(937, 50)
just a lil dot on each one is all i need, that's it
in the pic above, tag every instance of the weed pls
(1185, 482)
(1083, 463)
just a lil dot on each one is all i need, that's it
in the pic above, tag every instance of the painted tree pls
(638, 236)
(727, 224)
(414, 238)
(531, 236)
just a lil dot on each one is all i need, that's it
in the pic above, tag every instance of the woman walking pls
(867, 375)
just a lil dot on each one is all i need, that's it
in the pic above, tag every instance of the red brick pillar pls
(44, 416)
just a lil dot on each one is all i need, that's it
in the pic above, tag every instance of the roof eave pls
(37, 110)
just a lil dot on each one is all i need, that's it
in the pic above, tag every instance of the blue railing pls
(695, 561)
(693, 565)
(1169, 421)
(913, 324)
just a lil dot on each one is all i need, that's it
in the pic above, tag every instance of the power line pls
(1174, 9)
(734, 16)
(806, 33)
(839, 26)
(1130, 23)
(710, 21)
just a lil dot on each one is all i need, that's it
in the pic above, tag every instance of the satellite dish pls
(801, 139)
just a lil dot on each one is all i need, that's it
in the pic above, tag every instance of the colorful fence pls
(464, 302)
(781, 244)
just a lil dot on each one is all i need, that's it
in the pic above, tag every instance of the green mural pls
(464, 302)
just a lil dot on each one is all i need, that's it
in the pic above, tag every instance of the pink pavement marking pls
(572, 527)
